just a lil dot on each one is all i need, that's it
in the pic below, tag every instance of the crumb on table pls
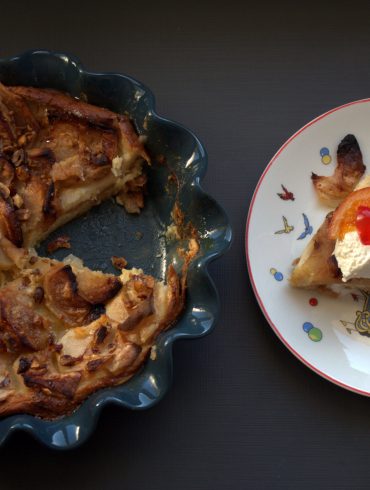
(62, 241)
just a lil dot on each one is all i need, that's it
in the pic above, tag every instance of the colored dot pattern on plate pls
(325, 156)
(314, 333)
(277, 275)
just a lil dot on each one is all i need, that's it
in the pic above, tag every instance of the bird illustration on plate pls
(287, 227)
(286, 195)
(307, 228)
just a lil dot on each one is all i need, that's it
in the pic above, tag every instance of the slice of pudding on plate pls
(339, 252)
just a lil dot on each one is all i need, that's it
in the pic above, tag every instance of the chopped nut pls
(36, 364)
(62, 241)
(19, 157)
(26, 281)
(73, 261)
(10, 224)
(67, 360)
(4, 191)
(64, 384)
(153, 353)
(22, 140)
(94, 364)
(119, 262)
(46, 391)
(18, 200)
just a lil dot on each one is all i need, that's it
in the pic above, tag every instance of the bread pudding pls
(339, 252)
(66, 330)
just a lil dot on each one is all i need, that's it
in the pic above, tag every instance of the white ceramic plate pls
(318, 329)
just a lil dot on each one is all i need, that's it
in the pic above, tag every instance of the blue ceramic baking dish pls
(107, 230)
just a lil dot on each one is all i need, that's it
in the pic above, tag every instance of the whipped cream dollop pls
(353, 256)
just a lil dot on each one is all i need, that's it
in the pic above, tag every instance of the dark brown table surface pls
(242, 411)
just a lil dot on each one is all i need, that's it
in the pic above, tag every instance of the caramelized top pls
(50, 145)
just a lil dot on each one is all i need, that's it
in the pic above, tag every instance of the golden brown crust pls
(9, 221)
(55, 378)
(349, 170)
(58, 155)
(64, 105)
(21, 329)
(317, 267)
